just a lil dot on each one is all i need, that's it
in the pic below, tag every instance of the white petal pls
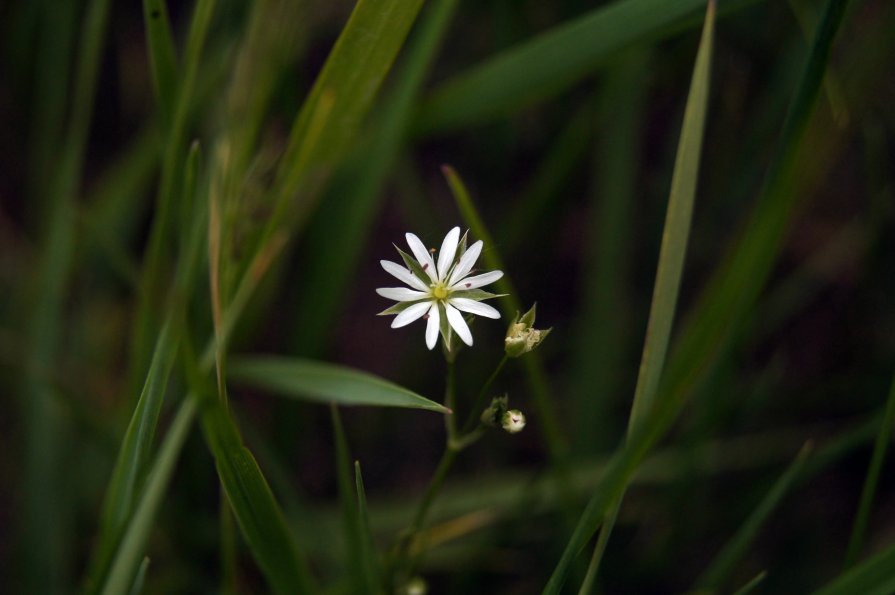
(401, 294)
(477, 281)
(447, 252)
(474, 307)
(412, 313)
(467, 261)
(458, 324)
(432, 327)
(402, 274)
(422, 255)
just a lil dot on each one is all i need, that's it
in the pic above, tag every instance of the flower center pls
(440, 292)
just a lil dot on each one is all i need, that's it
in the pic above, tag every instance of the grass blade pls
(350, 520)
(876, 576)
(671, 258)
(368, 548)
(256, 510)
(730, 295)
(130, 552)
(752, 584)
(348, 214)
(325, 383)
(862, 518)
(550, 62)
(133, 458)
(342, 95)
(733, 551)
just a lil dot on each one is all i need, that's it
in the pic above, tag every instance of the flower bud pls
(521, 336)
(493, 415)
(513, 421)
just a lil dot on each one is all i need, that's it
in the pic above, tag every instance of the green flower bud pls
(493, 415)
(521, 336)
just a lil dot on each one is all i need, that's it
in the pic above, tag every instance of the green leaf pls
(133, 458)
(350, 520)
(862, 518)
(550, 62)
(325, 383)
(256, 510)
(675, 237)
(127, 558)
(162, 58)
(369, 563)
(344, 91)
(876, 576)
(734, 550)
(730, 295)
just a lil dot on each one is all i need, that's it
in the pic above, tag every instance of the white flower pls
(439, 291)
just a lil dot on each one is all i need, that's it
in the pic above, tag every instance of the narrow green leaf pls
(876, 576)
(733, 551)
(343, 93)
(752, 584)
(256, 510)
(140, 579)
(325, 383)
(369, 562)
(127, 558)
(862, 518)
(729, 296)
(550, 62)
(162, 58)
(675, 237)
(348, 211)
(131, 466)
(350, 520)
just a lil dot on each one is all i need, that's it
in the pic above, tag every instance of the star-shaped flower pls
(439, 292)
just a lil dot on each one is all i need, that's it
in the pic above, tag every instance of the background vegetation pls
(192, 188)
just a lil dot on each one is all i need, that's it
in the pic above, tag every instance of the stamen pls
(468, 285)
(425, 266)
(432, 250)
(425, 317)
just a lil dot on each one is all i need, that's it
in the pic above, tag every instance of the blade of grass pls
(862, 518)
(133, 458)
(550, 62)
(719, 569)
(347, 213)
(347, 501)
(729, 296)
(672, 253)
(140, 579)
(45, 525)
(876, 576)
(369, 563)
(342, 95)
(256, 510)
(752, 584)
(162, 59)
(130, 552)
(161, 237)
(325, 383)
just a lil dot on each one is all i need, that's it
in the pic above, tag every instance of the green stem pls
(450, 401)
(479, 405)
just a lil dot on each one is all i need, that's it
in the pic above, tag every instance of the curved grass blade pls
(350, 519)
(876, 576)
(752, 584)
(325, 383)
(733, 551)
(256, 510)
(730, 295)
(862, 518)
(133, 458)
(671, 258)
(140, 579)
(550, 62)
(127, 558)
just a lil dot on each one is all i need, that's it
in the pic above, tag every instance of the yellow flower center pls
(440, 292)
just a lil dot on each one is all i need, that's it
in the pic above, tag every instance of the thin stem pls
(450, 401)
(447, 459)
(479, 405)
